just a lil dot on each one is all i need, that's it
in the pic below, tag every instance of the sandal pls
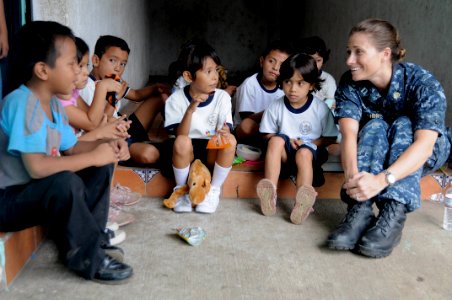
(266, 191)
(304, 200)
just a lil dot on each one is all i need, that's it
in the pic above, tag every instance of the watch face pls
(391, 178)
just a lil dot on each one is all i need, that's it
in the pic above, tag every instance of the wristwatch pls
(390, 179)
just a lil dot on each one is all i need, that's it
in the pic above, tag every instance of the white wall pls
(89, 19)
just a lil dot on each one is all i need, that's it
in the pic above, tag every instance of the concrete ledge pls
(18, 249)
(242, 181)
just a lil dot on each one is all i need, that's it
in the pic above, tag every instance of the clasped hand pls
(363, 186)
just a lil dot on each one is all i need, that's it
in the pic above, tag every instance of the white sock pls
(219, 175)
(181, 175)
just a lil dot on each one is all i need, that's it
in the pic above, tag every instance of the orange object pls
(217, 142)
(111, 96)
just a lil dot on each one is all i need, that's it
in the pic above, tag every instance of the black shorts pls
(138, 135)
(136, 131)
(166, 154)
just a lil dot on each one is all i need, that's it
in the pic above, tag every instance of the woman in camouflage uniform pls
(392, 119)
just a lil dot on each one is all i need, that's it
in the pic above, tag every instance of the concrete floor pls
(249, 256)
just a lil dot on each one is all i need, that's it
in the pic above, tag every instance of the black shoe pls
(358, 218)
(113, 251)
(112, 271)
(387, 232)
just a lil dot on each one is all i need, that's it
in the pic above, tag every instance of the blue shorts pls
(319, 157)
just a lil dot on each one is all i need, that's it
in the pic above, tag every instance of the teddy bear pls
(197, 187)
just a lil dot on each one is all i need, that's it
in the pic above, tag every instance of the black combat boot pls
(380, 239)
(358, 218)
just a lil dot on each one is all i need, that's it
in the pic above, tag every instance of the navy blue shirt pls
(413, 92)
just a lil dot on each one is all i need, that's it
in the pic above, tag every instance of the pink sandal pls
(266, 191)
(304, 200)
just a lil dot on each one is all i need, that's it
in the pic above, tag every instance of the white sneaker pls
(183, 203)
(210, 204)
(113, 226)
(116, 237)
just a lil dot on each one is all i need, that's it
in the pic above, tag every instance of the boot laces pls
(386, 214)
(352, 214)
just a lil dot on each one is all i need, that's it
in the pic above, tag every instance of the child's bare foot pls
(266, 192)
(304, 200)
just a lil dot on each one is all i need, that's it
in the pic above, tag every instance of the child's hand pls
(200, 98)
(116, 129)
(163, 89)
(104, 154)
(196, 101)
(121, 148)
(224, 131)
(110, 85)
(296, 143)
(122, 124)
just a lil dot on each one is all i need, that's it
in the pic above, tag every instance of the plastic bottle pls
(447, 220)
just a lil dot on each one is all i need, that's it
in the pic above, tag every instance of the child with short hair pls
(298, 127)
(194, 114)
(316, 48)
(46, 175)
(90, 121)
(110, 58)
(258, 91)
(177, 80)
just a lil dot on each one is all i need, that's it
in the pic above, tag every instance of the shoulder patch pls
(34, 117)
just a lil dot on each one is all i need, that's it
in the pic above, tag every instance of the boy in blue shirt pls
(46, 176)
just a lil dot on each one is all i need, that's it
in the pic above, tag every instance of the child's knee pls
(182, 145)
(276, 142)
(230, 150)
(303, 155)
(232, 141)
(67, 180)
(148, 155)
(248, 126)
(67, 186)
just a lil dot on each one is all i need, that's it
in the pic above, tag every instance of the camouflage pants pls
(380, 145)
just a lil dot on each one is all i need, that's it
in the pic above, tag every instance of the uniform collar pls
(202, 104)
(259, 77)
(301, 109)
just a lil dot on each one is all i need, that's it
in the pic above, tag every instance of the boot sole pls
(338, 246)
(377, 253)
(113, 282)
